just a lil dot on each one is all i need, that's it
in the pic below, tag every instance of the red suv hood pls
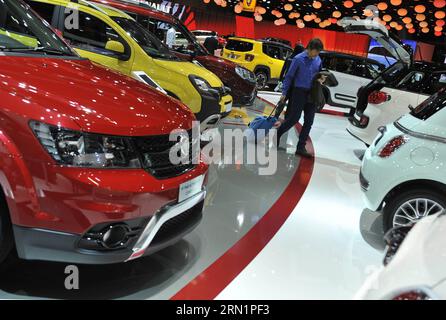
(97, 99)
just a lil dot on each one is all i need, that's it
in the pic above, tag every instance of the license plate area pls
(228, 107)
(190, 188)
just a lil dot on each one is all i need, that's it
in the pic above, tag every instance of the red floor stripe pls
(335, 113)
(225, 269)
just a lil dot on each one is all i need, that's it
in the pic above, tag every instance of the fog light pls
(115, 236)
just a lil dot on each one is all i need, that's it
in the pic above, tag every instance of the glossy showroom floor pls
(299, 234)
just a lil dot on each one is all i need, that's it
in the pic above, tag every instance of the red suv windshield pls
(22, 31)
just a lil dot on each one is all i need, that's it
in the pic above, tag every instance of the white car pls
(403, 173)
(401, 85)
(351, 72)
(405, 87)
(414, 265)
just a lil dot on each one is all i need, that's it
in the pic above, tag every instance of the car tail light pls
(392, 146)
(378, 97)
(412, 295)
(249, 57)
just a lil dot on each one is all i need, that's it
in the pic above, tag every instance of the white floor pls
(328, 246)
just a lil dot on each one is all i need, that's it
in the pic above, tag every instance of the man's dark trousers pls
(296, 105)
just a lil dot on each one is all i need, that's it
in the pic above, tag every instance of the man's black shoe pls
(303, 153)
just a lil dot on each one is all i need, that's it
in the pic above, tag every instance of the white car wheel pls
(409, 207)
(413, 210)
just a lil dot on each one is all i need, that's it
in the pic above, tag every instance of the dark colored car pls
(241, 81)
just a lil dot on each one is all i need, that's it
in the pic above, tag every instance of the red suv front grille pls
(154, 152)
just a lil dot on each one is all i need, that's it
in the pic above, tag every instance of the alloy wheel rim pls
(261, 81)
(413, 210)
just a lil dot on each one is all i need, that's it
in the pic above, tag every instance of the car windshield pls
(148, 42)
(431, 106)
(192, 40)
(23, 32)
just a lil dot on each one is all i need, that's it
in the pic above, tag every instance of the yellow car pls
(112, 38)
(264, 58)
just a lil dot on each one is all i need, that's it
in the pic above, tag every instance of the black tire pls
(261, 79)
(8, 256)
(393, 204)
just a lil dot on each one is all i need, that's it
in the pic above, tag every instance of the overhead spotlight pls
(382, 6)
(420, 8)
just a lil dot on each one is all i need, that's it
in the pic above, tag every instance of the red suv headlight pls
(81, 149)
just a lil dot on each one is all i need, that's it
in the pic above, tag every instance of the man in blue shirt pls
(296, 88)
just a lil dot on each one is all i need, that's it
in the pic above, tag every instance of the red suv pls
(170, 30)
(85, 173)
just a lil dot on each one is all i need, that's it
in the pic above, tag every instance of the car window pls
(154, 26)
(272, 51)
(22, 31)
(435, 82)
(329, 62)
(44, 10)
(175, 36)
(431, 106)
(13, 25)
(411, 82)
(237, 45)
(380, 51)
(146, 40)
(204, 33)
(286, 53)
(344, 65)
(359, 69)
(92, 34)
(373, 70)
